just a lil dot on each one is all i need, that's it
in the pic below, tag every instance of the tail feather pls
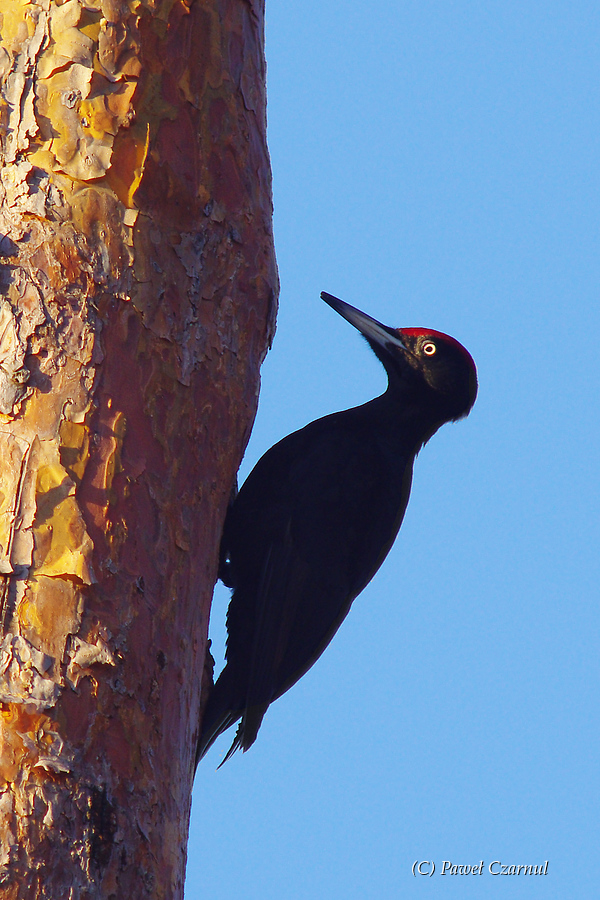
(209, 736)
(221, 713)
(247, 730)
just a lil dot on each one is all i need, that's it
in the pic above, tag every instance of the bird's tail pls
(209, 736)
(220, 714)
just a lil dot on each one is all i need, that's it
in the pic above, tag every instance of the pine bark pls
(138, 295)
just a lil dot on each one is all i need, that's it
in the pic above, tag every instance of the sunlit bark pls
(138, 298)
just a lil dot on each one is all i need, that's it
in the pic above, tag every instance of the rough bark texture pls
(138, 299)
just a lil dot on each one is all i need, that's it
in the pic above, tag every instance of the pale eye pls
(429, 348)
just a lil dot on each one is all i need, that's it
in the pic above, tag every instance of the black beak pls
(371, 329)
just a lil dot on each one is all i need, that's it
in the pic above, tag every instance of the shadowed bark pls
(138, 296)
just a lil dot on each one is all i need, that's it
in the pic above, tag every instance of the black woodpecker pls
(317, 516)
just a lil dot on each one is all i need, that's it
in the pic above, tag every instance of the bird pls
(317, 516)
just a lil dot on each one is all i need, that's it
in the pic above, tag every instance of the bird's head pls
(432, 366)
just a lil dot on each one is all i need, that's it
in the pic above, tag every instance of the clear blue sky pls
(436, 164)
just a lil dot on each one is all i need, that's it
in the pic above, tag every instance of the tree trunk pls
(138, 300)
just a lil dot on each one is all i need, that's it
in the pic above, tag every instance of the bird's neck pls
(405, 417)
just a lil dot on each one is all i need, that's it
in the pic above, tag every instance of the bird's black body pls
(318, 514)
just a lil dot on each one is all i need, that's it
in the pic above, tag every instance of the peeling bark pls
(138, 295)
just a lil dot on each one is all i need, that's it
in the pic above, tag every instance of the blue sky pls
(436, 164)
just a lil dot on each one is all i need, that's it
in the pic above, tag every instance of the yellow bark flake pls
(62, 546)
